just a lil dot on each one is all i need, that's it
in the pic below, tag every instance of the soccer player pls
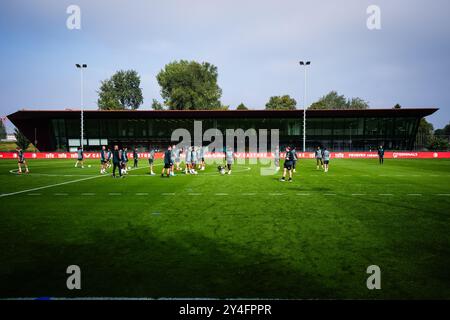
(318, 155)
(167, 162)
(193, 160)
(80, 158)
(188, 160)
(151, 159)
(229, 157)
(135, 158)
(288, 163)
(116, 159)
(201, 157)
(21, 160)
(172, 160)
(326, 159)
(381, 155)
(103, 160)
(108, 159)
(277, 158)
(177, 158)
(124, 160)
(294, 162)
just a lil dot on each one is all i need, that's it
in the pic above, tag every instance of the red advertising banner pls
(300, 155)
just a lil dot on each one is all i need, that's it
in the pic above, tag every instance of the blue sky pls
(256, 46)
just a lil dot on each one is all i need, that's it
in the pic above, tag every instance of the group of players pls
(194, 160)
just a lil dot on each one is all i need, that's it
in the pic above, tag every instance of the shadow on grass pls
(135, 262)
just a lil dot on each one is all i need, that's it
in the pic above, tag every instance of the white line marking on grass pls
(249, 194)
(194, 194)
(358, 194)
(443, 194)
(142, 194)
(221, 194)
(414, 194)
(276, 194)
(49, 186)
(303, 194)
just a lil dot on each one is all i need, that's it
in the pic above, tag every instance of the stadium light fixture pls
(304, 64)
(81, 67)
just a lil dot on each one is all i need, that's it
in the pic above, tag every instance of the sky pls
(255, 44)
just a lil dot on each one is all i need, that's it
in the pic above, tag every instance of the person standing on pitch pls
(326, 159)
(108, 159)
(172, 160)
(229, 157)
(151, 159)
(103, 160)
(167, 162)
(135, 158)
(288, 164)
(80, 158)
(116, 159)
(21, 160)
(318, 155)
(294, 162)
(381, 155)
(188, 160)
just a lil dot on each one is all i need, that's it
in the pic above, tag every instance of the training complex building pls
(338, 130)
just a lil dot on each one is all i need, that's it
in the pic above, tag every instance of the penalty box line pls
(59, 184)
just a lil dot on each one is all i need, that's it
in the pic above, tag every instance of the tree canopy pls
(189, 85)
(241, 106)
(281, 103)
(121, 91)
(2, 130)
(333, 100)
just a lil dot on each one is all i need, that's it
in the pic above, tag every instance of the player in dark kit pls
(21, 160)
(135, 158)
(167, 162)
(288, 164)
(116, 159)
(381, 154)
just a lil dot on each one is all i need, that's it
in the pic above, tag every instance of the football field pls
(244, 235)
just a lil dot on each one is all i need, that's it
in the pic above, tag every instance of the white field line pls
(55, 185)
(221, 194)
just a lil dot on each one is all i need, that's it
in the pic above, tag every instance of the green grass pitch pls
(242, 235)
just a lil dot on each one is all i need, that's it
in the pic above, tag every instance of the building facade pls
(338, 130)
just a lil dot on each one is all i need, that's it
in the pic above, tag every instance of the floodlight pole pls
(81, 67)
(304, 64)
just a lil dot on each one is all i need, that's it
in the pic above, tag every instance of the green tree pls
(2, 130)
(189, 85)
(357, 103)
(121, 91)
(156, 105)
(241, 107)
(281, 103)
(438, 144)
(397, 106)
(335, 101)
(21, 140)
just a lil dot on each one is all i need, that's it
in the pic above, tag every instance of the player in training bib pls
(318, 155)
(21, 160)
(288, 164)
(326, 159)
